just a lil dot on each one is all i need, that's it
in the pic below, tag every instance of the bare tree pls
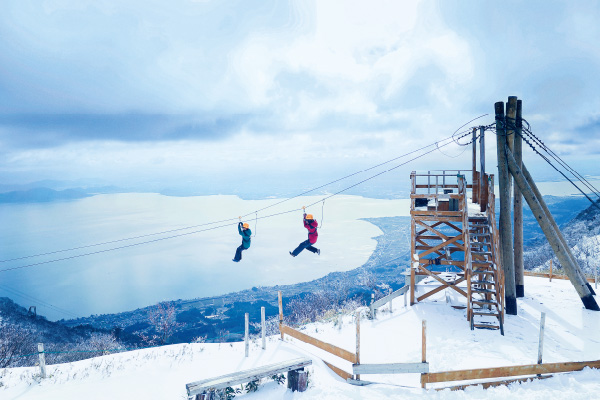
(163, 319)
(14, 342)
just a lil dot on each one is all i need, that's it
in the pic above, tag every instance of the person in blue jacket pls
(244, 230)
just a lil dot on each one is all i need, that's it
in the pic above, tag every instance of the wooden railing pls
(491, 215)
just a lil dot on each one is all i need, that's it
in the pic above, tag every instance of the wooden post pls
(550, 270)
(476, 189)
(42, 357)
(505, 223)
(297, 380)
(541, 343)
(358, 341)
(554, 225)
(405, 299)
(424, 341)
(246, 326)
(413, 234)
(412, 282)
(423, 345)
(518, 207)
(391, 311)
(482, 181)
(552, 234)
(280, 314)
(263, 328)
(372, 309)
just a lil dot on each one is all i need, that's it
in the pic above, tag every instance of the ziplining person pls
(246, 233)
(311, 225)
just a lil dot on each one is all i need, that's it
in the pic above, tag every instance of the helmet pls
(246, 226)
(309, 216)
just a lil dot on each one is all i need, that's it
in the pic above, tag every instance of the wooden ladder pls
(485, 280)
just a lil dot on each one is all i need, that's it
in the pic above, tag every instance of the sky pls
(203, 92)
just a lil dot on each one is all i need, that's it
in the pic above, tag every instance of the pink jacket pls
(312, 231)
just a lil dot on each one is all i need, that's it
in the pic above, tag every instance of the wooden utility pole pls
(482, 181)
(476, 192)
(552, 233)
(506, 250)
(553, 223)
(518, 206)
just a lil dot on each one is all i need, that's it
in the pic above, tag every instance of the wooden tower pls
(456, 244)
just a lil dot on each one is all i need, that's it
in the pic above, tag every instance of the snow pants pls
(238, 252)
(304, 245)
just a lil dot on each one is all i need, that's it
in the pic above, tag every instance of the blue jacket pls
(246, 233)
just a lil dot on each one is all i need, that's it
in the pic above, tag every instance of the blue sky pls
(140, 91)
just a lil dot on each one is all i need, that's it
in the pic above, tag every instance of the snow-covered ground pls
(161, 373)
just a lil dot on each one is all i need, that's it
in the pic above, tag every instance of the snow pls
(571, 334)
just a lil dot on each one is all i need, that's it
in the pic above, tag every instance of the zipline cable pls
(559, 171)
(224, 225)
(452, 137)
(558, 159)
(40, 302)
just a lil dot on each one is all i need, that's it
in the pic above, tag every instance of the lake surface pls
(189, 266)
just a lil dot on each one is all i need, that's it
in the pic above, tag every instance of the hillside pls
(161, 373)
(20, 331)
(582, 233)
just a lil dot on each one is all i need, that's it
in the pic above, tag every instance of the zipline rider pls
(311, 225)
(246, 233)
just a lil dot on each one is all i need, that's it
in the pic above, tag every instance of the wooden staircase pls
(485, 285)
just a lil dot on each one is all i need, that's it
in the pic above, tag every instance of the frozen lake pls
(190, 266)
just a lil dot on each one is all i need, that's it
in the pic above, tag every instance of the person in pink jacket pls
(311, 225)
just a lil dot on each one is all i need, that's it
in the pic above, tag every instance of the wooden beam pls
(432, 230)
(537, 193)
(502, 372)
(235, 378)
(339, 372)
(552, 276)
(505, 226)
(487, 385)
(482, 176)
(439, 246)
(436, 213)
(395, 368)
(518, 207)
(336, 351)
(553, 236)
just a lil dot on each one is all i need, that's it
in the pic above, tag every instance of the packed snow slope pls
(571, 334)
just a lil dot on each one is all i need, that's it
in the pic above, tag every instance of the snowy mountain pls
(582, 234)
(161, 373)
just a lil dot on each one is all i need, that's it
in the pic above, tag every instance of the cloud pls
(51, 130)
(351, 80)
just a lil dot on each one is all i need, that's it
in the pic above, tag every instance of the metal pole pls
(246, 326)
(42, 357)
(358, 341)
(280, 314)
(263, 328)
(541, 345)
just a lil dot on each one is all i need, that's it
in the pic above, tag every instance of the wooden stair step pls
(487, 291)
(481, 253)
(486, 326)
(490, 313)
(491, 303)
(480, 235)
(484, 282)
(479, 272)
